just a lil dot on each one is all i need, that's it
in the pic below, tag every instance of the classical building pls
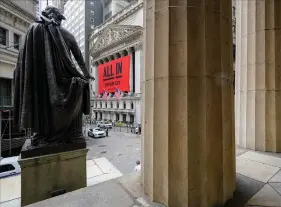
(15, 18)
(120, 36)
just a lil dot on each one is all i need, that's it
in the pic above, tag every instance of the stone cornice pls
(113, 36)
(7, 56)
(123, 46)
(16, 11)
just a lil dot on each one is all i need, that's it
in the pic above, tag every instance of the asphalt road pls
(120, 148)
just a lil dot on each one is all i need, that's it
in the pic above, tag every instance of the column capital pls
(130, 50)
(124, 53)
(117, 55)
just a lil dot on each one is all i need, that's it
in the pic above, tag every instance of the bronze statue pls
(50, 94)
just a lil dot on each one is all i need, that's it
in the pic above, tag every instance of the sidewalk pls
(258, 184)
(98, 170)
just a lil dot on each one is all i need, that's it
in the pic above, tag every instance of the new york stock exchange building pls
(116, 56)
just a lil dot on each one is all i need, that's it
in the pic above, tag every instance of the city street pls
(120, 148)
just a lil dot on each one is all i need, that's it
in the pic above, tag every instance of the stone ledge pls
(46, 159)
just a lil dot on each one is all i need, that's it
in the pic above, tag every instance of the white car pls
(108, 125)
(9, 166)
(96, 133)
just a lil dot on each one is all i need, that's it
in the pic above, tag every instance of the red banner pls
(115, 74)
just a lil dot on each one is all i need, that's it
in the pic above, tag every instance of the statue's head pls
(53, 13)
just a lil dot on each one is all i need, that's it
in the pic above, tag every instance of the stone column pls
(127, 117)
(96, 75)
(138, 73)
(114, 117)
(130, 53)
(188, 140)
(258, 75)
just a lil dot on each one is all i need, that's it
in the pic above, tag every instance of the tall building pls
(38, 12)
(15, 18)
(111, 7)
(57, 3)
(81, 17)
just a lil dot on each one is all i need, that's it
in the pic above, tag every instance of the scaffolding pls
(10, 139)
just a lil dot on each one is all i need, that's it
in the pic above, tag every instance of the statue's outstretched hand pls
(89, 77)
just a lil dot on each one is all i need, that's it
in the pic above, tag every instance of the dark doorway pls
(132, 118)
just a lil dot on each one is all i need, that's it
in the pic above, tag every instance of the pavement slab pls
(10, 188)
(276, 178)
(106, 194)
(266, 197)
(276, 186)
(245, 189)
(12, 203)
(93, 171)
(132, 183)
(255, 170)
(262, 158)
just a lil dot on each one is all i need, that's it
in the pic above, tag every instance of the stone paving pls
(258, 184)
(258, 179)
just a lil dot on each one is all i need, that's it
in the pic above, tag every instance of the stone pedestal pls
(258, 75)
(188, 140)
(45, 176)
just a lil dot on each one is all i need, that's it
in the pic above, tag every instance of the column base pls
(46, 176)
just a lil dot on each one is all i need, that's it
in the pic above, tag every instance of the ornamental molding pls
(137, 45)
(18, 14)
(8, 57)
(113, 36)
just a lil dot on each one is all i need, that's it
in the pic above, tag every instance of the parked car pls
(96, 133)
(108, 125)
(9, 166)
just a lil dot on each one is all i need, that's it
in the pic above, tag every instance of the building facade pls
(120, 36)
(81, 17)
(15, 18)
(57, 3)
(111, 7)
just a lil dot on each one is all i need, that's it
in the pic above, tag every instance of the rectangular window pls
(3, 36)
(107, 16)
(92, 3)
(16, 41)
(92, 12)
(6, 168)
(92, 20)
(108, 2)
(5, 92)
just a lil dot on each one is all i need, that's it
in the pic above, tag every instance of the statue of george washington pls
(50, 94)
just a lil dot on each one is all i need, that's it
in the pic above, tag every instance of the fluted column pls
(130, 53)
(258, 75)
(188, 140)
